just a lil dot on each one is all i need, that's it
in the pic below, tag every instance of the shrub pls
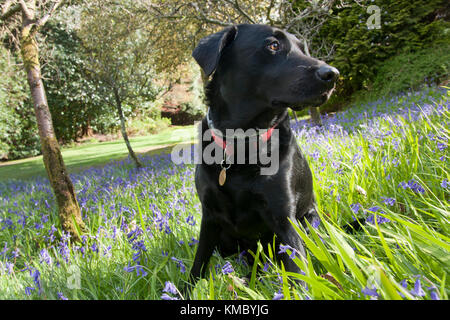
(413, 69)
(406, 27)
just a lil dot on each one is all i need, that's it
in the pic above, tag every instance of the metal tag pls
(222, 176)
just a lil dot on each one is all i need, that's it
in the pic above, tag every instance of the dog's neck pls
(242, 113)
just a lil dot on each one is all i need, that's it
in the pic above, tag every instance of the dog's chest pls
(238, 213)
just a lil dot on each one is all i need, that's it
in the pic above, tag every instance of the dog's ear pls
(208, 51)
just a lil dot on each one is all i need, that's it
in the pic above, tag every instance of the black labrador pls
(258, 72)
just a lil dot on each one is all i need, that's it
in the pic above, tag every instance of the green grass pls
(95, 154)
(386, 162)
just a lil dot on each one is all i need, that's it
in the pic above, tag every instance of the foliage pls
(412, 70)
(74, 103)
(360, 52)
(17, 124)
(120, 61)
(385, 161)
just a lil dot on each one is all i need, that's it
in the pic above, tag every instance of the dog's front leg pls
(286, 234)
(209, 234)
(289, 236)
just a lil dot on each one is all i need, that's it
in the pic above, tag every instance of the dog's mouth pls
(313, 101)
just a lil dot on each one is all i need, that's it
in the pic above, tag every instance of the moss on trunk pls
(68, 208)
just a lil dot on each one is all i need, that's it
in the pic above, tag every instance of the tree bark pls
(68, 208)
(315, 116)
(123, 128)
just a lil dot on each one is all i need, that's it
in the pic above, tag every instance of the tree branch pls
(47, 16)
(241, 11)
(269, 10)
(25, 10)
(9, 12)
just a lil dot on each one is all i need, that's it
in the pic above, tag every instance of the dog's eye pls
(274, 46)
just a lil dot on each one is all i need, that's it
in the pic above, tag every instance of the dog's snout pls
(327, 73)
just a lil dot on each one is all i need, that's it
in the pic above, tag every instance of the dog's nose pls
(327, 73)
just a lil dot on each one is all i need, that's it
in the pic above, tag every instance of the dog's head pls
(265, 64)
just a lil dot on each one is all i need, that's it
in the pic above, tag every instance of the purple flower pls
(380, 219)
(190, 220)
(193, 241)
(287, 247)
(180, 264)
(445, 184)
(441, 146)
(418, 291)
(37, 279)
(355, 207)
(139, 269)
(404, 285)
(45, 257)
(28, 290)
(9, 267)
(227, 268)
(388, 201)
(278, 296)
(165, 296)
(372, 292)
(315, 224)
(412, 185)
(61, 296)
(94, 247)
(433, 293)
(170, 288)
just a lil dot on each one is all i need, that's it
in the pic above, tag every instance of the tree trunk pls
(68, 208)
(315, 116)
(123, 129)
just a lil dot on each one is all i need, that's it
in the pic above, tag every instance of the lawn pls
(94, 154)
(385, 161)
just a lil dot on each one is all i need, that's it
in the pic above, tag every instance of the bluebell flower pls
(180, 264)
(445, 184)
(227, 268)
(433, 293)
(372, 292)
(388, 201)
(441, 146)
(355, 207)
(165, 296)
(278, 296)
(45, 257)
(315, 223)
(28, 290)
(190, 220)
(9, 267)
(193, 241)
(418, 291)
(61, 296)
(170, 288)
(284, 248)
(15, 253)
(37, 279)
(140, 271)
(94, 247)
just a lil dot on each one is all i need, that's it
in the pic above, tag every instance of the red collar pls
(223, 144)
